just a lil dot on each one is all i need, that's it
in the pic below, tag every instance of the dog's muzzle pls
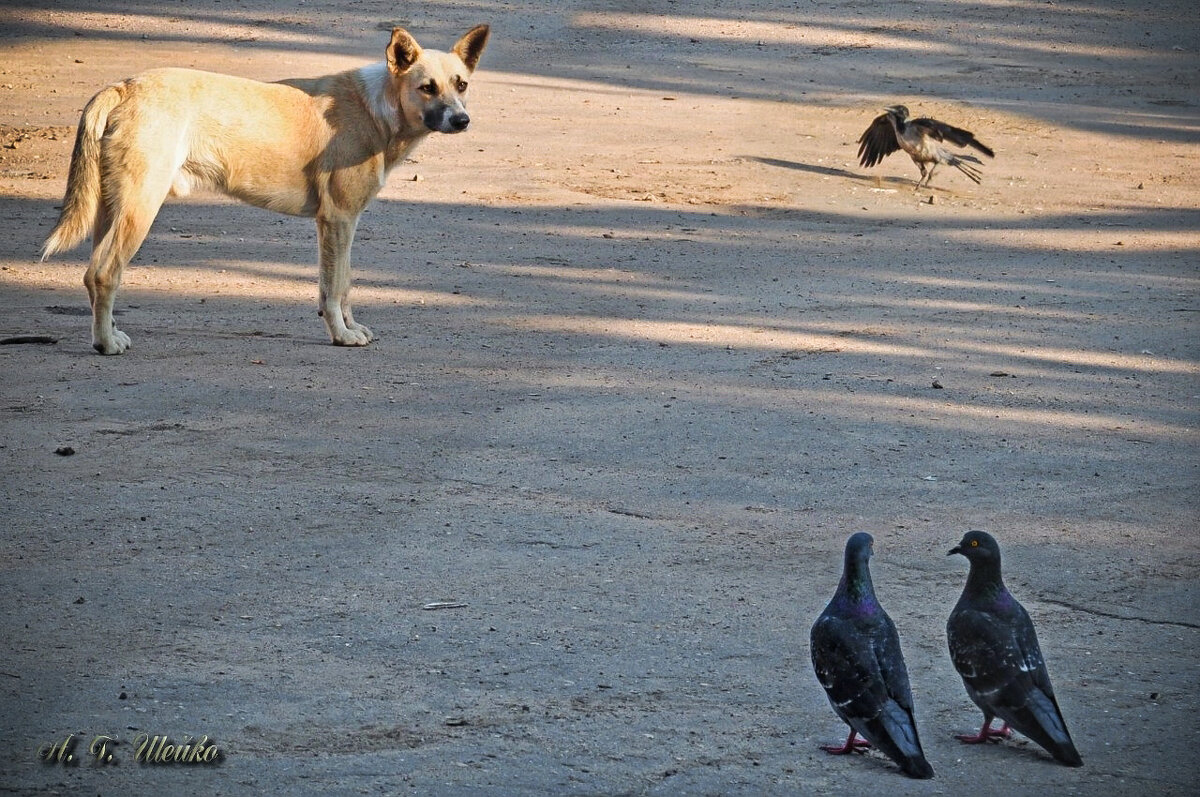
(443, 120)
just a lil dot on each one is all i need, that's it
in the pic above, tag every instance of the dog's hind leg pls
(335, 236)
(127, 209)
(99, 230)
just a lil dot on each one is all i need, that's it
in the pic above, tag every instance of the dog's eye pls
(429, 88)
(461, 86)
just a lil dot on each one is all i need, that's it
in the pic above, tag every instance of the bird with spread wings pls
(922, 139)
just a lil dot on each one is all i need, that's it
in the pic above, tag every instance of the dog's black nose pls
(459, 121)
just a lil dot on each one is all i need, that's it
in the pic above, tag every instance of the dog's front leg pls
(335, 235)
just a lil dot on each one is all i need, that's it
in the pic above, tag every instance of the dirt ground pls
(651, 345)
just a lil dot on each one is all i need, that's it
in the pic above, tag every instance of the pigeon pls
(857, 658)
(922, 139)
(995, 650)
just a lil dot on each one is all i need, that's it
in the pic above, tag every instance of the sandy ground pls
(651, 345)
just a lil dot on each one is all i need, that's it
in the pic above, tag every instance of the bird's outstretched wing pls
(877, 141)
(955, 135)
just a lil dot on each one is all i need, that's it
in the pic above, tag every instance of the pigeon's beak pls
(954, 550)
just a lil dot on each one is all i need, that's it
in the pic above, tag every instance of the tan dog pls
(319, 147)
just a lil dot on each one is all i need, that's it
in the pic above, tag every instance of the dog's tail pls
(83, 197)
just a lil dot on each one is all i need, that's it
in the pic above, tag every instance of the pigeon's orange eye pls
(974, 543)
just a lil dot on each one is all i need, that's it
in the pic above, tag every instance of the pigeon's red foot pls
(852, 745)
(986, 734)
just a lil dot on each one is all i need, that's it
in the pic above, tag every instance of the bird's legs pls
(986, 734)
(928, 177)
(852, 745)
(921, 166)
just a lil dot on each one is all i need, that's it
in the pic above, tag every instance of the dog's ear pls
(471, 45)
(402, 51)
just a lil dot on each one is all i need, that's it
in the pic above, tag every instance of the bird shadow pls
(1020, 746)
(867, 757)
(807, 167)
(876, 181)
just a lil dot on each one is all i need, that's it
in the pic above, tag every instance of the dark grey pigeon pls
(995, 650)
(856, 654)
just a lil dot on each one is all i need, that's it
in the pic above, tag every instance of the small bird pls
(857, 658)
(995, 649)
(920, 138)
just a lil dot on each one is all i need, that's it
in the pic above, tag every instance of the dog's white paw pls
(116, 342)
(356, 335)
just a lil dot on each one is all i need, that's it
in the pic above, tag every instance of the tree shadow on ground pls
(842, 53)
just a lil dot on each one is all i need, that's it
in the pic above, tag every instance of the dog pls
(316, 147)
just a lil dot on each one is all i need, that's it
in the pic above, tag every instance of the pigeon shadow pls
(1026, 748)
(865, 757)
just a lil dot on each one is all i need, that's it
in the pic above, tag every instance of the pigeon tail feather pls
(1040, 720)
(894, 734)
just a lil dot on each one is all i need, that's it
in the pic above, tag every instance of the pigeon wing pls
(877, 141)
(846, 668)
(986, 655)
(1029, 652)
(891, 665)
(1040, 711)
(903, 744)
